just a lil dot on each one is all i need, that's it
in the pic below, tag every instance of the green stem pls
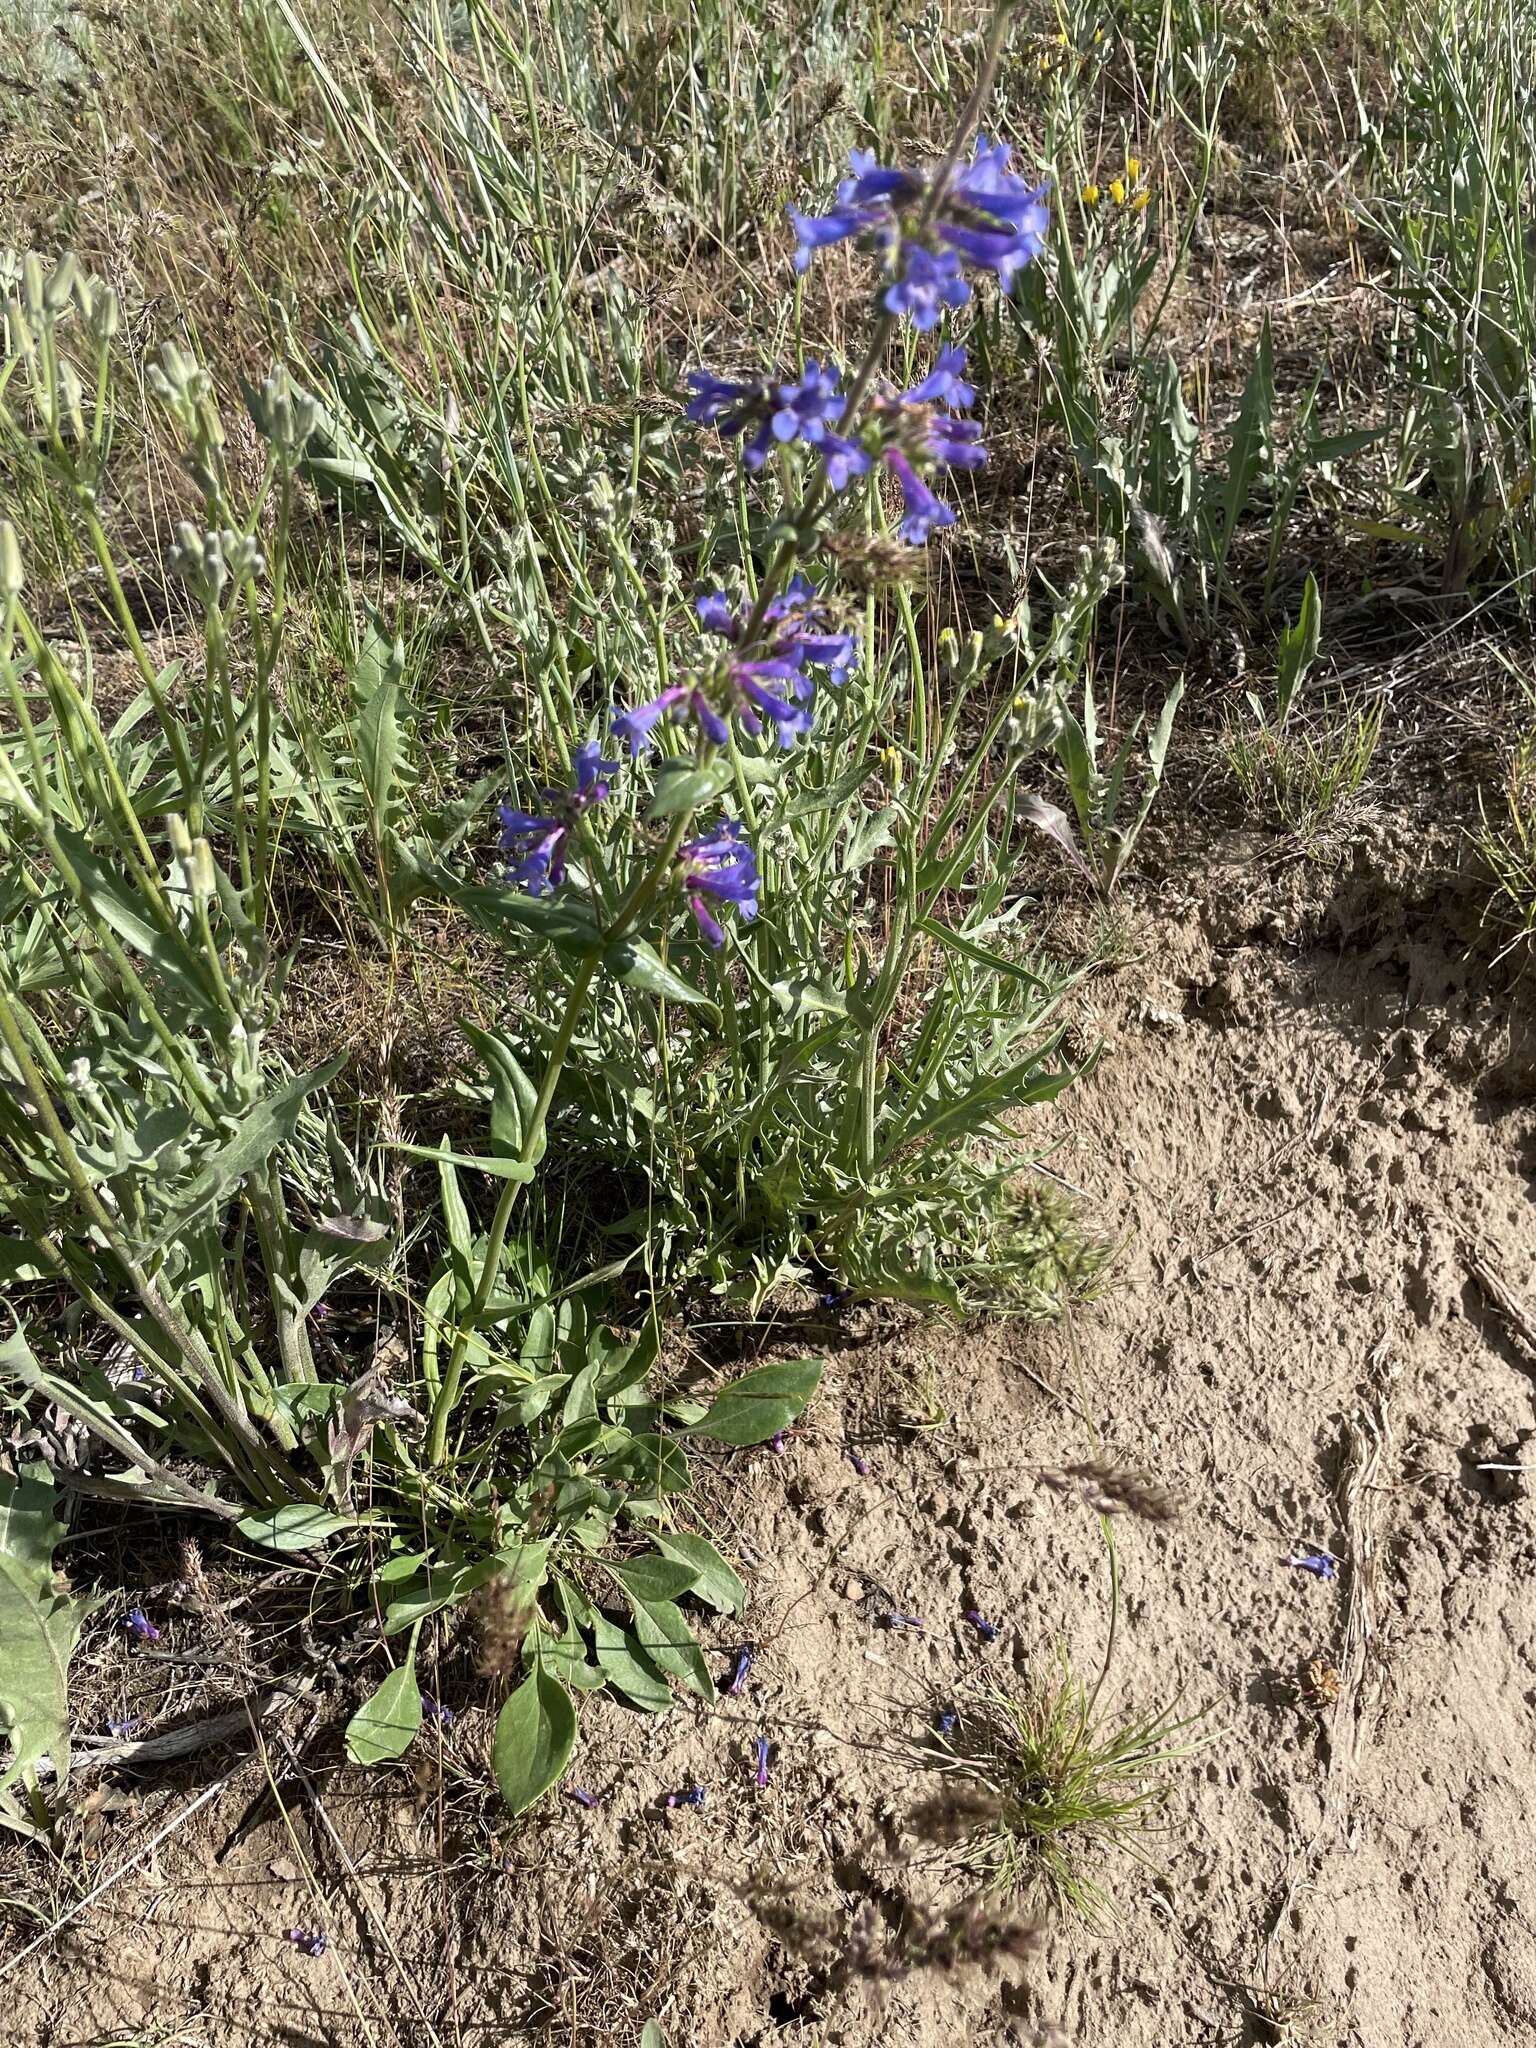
(176, 1330)
(174, 738)
(528, 1152)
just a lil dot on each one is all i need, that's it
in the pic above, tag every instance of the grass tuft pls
(1047, 1792)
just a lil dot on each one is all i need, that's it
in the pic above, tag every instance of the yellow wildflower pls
(1140, 200)
(1091, 195)
(1133, 168)
(1117, 190)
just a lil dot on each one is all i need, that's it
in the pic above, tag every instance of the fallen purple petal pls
(121, 1728)
(903, 1621)
(743, 1665)
(434, 1710)
(776, 1443)
(138, 1623)
(987, 1630)
(582, 1797)
(860, 1465)
(694, 1796)
(762, 1761)
(1319, 1563)
(307, 1941)
(945, 1724)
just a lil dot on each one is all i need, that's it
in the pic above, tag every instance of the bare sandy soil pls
(1314, 1129)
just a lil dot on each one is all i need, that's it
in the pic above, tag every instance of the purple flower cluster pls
(916, 433)
(718, 867)
(537, 841)
(764, 684)
(764, 413)
(923, 436)
(982, 216)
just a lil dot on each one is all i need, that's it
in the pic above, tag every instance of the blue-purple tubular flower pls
(929, 282)
(735, 408)
(944, 384)
(1319, 1563)
(765, 685)
(807, 407)
(764, 412)
(996, 219)
(983, 216)
(923, 513)
(536, 841)
(922, 438)
(719, 867)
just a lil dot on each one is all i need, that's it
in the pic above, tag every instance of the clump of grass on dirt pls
(1055, 1790)
(1307, 774)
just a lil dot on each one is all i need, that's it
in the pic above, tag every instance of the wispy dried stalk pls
(1114, 1490)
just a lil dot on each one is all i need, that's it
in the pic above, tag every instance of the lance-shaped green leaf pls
(637, 963)
(714, 1580)
(39, 1627)
(626, 1666)
(758, 1405)
(650, 1585)
(376, 682)
(386, 1724)
(680, 787)
(256, 1135)
(535, 1733)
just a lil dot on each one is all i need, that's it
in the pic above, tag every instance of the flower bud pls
(12, 576)
(63, 281)
(19, 328)
(32, 285)
(283, 414)
(202, 876)
(104, 314)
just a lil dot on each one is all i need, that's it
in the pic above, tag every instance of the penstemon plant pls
(801, 1017)
(799, 1125)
